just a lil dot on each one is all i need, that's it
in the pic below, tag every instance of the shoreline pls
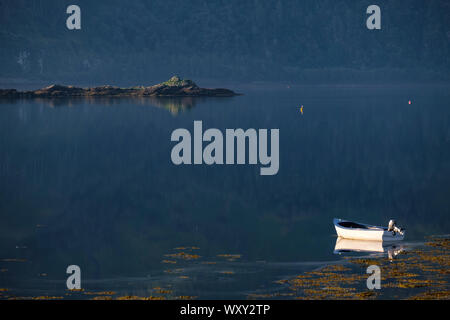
(418, 272)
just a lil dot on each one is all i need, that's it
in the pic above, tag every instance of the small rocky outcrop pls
(174, 87)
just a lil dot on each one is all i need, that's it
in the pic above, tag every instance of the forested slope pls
(140, 40)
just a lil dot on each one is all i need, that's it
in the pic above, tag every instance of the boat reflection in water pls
(348, 245)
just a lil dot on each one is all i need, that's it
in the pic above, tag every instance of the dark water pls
(91, 183)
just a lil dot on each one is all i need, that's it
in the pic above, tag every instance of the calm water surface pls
(91, 183)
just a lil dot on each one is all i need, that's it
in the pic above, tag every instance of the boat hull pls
(372, 233)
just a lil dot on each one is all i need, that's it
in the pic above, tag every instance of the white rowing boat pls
(360, 231)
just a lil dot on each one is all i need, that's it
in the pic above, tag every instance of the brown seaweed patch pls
(365, 262)
(281, 281)
(408, 272)
(335, 268)
(432, 295)
(258, 296)
(101, 293)
(439, 243)
(140, 298)
(47, 298)
(415, 283)
(328, 293)
(163, 291)
(169, 261)
(226, 272)
(102, 298)
(183, 255)
(366, 294)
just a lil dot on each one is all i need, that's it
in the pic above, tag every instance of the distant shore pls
(174, 87)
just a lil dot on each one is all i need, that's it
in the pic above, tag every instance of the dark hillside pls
(310, 40)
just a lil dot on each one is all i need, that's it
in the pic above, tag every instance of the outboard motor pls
(393, 227)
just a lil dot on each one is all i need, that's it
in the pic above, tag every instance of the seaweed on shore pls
(416, 274)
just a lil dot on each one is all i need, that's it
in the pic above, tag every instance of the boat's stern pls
(393, 236)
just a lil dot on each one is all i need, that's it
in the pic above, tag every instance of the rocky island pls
(174, 87)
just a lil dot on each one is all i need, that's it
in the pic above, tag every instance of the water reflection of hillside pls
(174, 105)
